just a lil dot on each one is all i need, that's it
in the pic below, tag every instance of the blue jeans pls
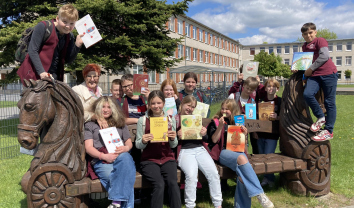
(118, 179)
(190, 160)
(328, 84)
(250, 186)
(266, 146)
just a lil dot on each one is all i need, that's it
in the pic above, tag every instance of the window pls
(270, 49)
(211, 39)
(330, 47)
(295, 48)
(200, 35)
(200, 56)
(348, 60)
(262, 48)
(187, 29)
(349, 46)
(206, 56)
(188, 52)
(137, 69)
(194, 54)
(339, 75)
(219, 42)
(287, 49)
(216, 59)
(227, 45)
(278, 49)
(215, 41)
(171, 24)
(339, 46)
(162, 77)
(152, 77)
(180, 27)
(211, 58)
(180, 51)
(339, 61)
(252, 51)
(220, 59)
(287, 61)
(194, 32)
(206, 37)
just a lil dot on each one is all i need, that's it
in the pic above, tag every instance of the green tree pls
(347, 73)
(271, 65)
(131, 30)
(323, 33)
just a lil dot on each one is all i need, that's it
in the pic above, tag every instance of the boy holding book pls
(321, 74)
(267, 142)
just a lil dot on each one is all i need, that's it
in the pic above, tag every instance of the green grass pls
(342, 172)
(5, 104)
(345, 85)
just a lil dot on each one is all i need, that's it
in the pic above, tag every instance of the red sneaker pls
(315, 127)
(322, 136)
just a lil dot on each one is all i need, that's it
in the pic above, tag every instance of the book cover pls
(201, 109)
(265, 109)
(111, 139)
(302, 61)
(250, 69)
(235, 139)
(170, 106)
(159, 128)
(239, 120)
(86, 26)
(251, 111)
(191, 125)
(140, 82)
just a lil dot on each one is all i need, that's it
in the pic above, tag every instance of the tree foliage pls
(323, 33)
(131, 30)
(271, 65)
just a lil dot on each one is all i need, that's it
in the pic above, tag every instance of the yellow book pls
(191, 125)
(159, 128)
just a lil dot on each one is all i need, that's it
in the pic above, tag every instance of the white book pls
(201, 109)
(86, 26)
(111, 139)
(170, 106)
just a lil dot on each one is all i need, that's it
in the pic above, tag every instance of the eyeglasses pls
(92, 77)
(127, 86)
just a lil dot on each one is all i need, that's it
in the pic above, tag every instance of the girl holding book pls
(193, 155)
(158, 163)
(116, 171)
(247, 182)
(169, 89)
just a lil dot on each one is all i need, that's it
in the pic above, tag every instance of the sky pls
(272, 21)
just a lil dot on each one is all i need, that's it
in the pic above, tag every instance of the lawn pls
(342, 173)
(5, 104)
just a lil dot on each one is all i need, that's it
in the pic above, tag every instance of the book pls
(250, 69)
(170, 106)
(140, 82)
(86, 26)
(236, 139)
(111, 139)
(302, 61)
(201, 109)
(239, 120)
(191, 125)
(159, 128)
(265, 109)
(251, 111)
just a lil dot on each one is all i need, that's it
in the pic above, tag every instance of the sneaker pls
(315, 127)
(264, 200)
(322, 136)
(114, 206)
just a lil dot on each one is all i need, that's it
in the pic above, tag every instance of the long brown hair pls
(233, 107)
(152, 95)
(117, 118)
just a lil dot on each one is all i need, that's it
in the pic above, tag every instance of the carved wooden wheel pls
(318, 174)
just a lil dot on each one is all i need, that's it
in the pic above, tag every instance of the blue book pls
(239, 120)
(251, 111)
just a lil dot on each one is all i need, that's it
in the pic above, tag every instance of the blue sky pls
(272, 21)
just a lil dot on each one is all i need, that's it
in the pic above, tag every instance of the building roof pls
(202, 69)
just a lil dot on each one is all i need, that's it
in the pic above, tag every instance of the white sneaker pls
(114, 206)
(264, 200)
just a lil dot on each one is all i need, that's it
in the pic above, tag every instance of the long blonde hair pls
(117, 118)
(187, 99)
(233, 107)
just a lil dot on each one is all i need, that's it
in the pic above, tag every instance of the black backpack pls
(22, 45)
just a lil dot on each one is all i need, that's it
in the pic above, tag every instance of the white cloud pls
(257, 39)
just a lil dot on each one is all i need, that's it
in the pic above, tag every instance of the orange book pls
(236, 139)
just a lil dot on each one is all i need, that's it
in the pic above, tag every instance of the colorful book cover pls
(159, 128)
(239, 120)
(302, 61)
(251, 111)
(250, 69)
(140, 83)
(86, 26)
(265, 109)
(191, 125)
(201, 109)
(170, 106)
(111, 139)
(235, 139)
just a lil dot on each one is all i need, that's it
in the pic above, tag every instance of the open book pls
(86, 26)
(111, 139)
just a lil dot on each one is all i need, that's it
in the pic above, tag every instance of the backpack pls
(23, 43)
